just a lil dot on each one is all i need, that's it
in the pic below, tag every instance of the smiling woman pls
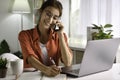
(43, 42)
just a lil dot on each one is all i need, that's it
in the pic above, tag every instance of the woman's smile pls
(47, 24)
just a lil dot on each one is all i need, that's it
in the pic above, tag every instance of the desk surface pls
(112, 74)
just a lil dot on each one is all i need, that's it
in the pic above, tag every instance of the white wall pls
(65, 15)
(10, 24)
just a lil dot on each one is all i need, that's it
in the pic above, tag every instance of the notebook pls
(99, 56)
(58, 77)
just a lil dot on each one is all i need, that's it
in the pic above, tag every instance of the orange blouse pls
(29, 41)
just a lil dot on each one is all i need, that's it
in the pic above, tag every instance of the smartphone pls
(56, 28)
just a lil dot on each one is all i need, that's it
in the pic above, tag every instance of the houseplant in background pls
(3, 67)
(103, 32)
(18, 54)
(4, 47)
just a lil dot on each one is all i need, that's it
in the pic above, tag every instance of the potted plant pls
(3, 67)
(103, 32)
(4, 47)
(18, 54)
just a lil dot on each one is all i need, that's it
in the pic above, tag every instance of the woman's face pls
(49, 16)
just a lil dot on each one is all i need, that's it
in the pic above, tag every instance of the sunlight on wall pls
(75, 4)
(79, 42)
(118, 55)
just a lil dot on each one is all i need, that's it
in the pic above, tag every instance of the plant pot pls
(90, 31)
(3, 73)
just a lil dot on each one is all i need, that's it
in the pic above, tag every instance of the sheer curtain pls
(84, 13)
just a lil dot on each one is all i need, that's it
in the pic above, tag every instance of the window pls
(84, 13)
(77, 36)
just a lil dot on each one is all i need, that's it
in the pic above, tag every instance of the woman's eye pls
(48, 14)
(56, 18)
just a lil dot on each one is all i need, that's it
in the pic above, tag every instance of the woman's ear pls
(40, 12)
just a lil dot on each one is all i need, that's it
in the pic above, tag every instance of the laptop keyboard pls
(75, 71)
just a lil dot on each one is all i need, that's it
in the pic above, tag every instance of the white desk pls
(112, 74)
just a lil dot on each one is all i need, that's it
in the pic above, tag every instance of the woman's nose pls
(51, 20)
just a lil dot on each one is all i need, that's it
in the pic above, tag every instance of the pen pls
(53, 62)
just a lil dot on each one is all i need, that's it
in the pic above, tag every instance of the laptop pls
(99, 56)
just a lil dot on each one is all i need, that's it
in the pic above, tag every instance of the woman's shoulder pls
(25, 33)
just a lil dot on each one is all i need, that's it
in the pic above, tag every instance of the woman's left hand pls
(60, 26)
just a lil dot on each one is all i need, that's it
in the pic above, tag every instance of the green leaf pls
(4, 47)
(108, 26)
(108, 30)
(95, 26)
(3, 62)
(102, 33)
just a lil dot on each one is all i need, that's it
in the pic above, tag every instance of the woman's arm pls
(65, 51)
(32, 59)
(47, 70)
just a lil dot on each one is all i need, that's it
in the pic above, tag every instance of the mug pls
(17, 67)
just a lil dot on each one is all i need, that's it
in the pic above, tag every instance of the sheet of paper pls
(58, 77)
(30, 76)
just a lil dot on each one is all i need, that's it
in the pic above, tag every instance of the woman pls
(43, 43)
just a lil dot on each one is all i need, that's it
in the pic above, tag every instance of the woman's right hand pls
(52, 71)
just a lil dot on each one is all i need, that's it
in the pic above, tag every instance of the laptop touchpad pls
(73, 67)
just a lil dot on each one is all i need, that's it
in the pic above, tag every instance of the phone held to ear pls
(56, 28)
